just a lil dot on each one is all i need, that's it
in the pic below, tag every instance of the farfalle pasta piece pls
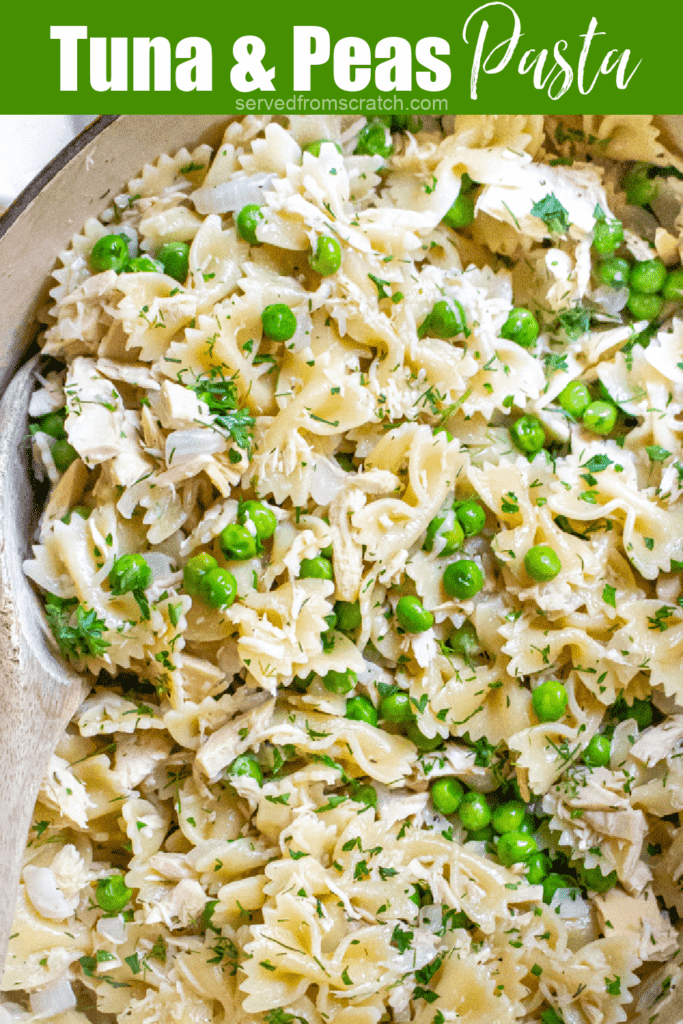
(389, 524)
(160, 175)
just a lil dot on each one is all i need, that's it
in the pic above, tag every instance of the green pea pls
(600, 417)
(463, 579)
(279, 323)
(575, 398)
(515, 848)
(481, 835)
(644, 307)
(474, 811)
(640, 710)
(246, 765)
(461, 213)
(129, 572)
(528, 824)
(53, 424)
(422, 742)
(327, 257)
(521, 327)
(248, 219)
(537, 867)
(453, 538)
(593, 879)
(236, 542)
(361, 709)
(63, 454)
(549, 701)
(143, 265)
(318, 568)
(597, 753)
(412, 615)
(542, 563)
(109, 253)
(262, 518)
(372, 141)
(471, 517)
(340, 682)
(218, 588)
(509, 816)
(314, 147)
(447, 795)
(78, 510)
(445, 320)
(648, 277)
(673, 287)
(348, 615)
(397, 708)
(195, 570)
(366, 794)
(614, 273)
(175, 257)
(607, 237)
(554, 881)
(528, 434)
(640, 189)
(112, 894)
(464, 641)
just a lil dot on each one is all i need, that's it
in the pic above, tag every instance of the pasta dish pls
(365, 517)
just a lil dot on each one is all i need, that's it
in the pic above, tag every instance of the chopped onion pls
(185, 445)
(432, 915)
(42, 891)
(159, 563)
(112, 928)
(611, 300)
(301, 338)
(328, 480)
(232, 195)
(572, 906)
(53, 999)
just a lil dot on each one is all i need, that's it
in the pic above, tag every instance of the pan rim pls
(58, 162)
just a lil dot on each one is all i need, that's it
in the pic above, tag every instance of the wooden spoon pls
(38, 693)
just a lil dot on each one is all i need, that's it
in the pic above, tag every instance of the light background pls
(28, 142)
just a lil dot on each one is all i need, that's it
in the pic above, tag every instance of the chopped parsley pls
(77, 630)
(553, 214)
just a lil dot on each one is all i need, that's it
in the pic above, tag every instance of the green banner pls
(351, 58)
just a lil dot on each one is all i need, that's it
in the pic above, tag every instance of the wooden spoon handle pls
(38, 694)
(35, 711)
